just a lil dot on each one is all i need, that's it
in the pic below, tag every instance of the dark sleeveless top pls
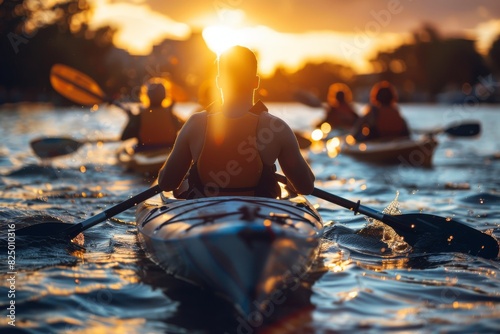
(229, 163)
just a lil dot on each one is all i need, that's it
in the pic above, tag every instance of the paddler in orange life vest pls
(339, 112)
(382, 119)
(156, 125)
(231, 148)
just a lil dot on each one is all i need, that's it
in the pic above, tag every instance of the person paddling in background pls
(231, 148)
(339, 112)
(382, 119)
(156, 126)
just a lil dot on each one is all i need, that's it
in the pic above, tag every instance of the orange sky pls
(290, 32)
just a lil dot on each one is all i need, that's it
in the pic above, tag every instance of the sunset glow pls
(220, 38)
(140, 28)
(292, 51)
(486, 33)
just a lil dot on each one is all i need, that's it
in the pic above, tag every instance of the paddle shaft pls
(355, 206)
(76, 229)
(392, 221)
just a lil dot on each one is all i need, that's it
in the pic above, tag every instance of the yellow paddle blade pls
(76, 86)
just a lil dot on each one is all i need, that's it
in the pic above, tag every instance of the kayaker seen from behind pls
(382, 119)
(231, 148)
(156, 125)
(339, 112)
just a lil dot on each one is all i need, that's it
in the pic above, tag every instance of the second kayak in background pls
(412, 152)
(142, 161)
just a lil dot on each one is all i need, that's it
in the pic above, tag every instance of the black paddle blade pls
(54, 147)
(425, 233)
(430, 234)
(464, 130)
(45, 230)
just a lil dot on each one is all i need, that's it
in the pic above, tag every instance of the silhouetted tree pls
(316, 78)
(431, 63)
(494, 54)
(31, 43)
(277, 87)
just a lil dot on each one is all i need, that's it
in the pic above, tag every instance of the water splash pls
(375, 227)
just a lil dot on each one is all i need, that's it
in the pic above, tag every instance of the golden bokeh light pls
(333, 147)
(317, 134)
(326, 128)
(350, 140)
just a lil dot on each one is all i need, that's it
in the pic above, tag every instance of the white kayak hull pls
(245, 249)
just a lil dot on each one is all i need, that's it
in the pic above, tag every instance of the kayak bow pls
(242, 248)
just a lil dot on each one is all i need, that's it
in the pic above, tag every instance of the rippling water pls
(106, 284)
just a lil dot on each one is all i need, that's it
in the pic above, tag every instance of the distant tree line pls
(432, 64)
(34, 35)
(420, 70)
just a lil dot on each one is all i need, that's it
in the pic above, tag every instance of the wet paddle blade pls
(425, 233)
(44, 230)
(75, 86)
(432, 233)
(464, 130)
(54, 147)
(459, 129)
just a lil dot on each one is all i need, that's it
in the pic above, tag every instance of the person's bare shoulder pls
(196, 122)
(273, 125)
(198, 117)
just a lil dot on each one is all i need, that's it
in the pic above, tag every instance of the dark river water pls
(107, 284)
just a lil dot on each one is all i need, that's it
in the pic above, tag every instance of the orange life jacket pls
(158, 127)
(389, 123)
(341, 116)
(230, 163)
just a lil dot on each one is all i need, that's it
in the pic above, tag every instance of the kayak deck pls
(416, 153)
(244, 249)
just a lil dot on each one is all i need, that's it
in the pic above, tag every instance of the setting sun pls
(140, 28)
(278, 42)
(292, 51)
(220, 38)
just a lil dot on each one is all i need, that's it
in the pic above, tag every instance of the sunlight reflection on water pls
(109, 285)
